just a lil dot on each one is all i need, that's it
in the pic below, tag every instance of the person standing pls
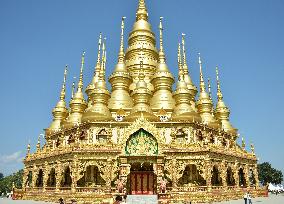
(246, 197)
(249, 198)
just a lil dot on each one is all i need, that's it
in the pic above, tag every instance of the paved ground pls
(272, 199)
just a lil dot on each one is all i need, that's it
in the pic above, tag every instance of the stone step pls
(142, 199)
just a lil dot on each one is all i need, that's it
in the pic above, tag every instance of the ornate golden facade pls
(180, 147)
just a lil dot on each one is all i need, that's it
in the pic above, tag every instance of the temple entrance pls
(142, 179)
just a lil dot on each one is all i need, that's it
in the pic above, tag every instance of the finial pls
(161, 34)
(209, 88)
(252, 148)
(63, 91)
(141, 13)
(103, 63)
(219, 92)
(183, 50)
(99, 52)
(243, 143)
(38, 143)
(29, 149)
(121, 50)
(202, 84)
(80, 83)
(73, 88)
(180, 69)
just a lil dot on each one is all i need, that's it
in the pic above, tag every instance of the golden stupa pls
(142, 137)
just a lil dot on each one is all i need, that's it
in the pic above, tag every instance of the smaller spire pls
(99, 53)
(180, 69)
(63, 90)
(28, 149)
(219, 92)
(252, 148)
(103, 63)
(243, 143)
(121, 50)
(209, 88)
(184, 52)
(80, 83)
(202, 83)
(161, 34)
(73, 88)
(38, 144)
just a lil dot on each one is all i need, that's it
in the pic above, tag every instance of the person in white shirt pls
(246, 197)
(249, 198)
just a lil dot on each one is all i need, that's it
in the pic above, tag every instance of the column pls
(255, 172)
(208, 175)
(246, 172)
(58, 176)
(45, 178)
(174, 174)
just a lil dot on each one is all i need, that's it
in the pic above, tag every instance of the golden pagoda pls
(141, 137)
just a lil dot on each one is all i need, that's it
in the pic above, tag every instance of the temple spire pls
(184, 52)
(98, 66)
(142, 11)
(73, 89)
(202, 83)
(219, 92)
(77, 103)
(162, 81)
(120, 80)
(121, 49)
(161, 35)
(180, 69)
(63, 90)
(60, 111)
(103, 62)
(222, 112)
(187, 79)
(209, 88)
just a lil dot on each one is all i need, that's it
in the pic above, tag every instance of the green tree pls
(267, 174)
(7, 182)
(1, 175)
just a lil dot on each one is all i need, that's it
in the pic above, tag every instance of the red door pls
(142, 183)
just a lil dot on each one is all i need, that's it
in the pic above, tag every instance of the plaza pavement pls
(272, 199)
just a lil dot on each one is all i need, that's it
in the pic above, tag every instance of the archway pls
(39, 181)
(216, 180)
(51, 182)
(191, 177)
(242, 180)
(141, 143)
(230, 177)
(141, 179)
(91, 178)
(66, 178)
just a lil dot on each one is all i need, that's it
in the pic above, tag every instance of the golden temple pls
(142, 137)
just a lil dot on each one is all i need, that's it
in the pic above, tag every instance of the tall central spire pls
(142, 11)
(141, 47)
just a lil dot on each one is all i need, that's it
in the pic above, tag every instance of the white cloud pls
(15, 157)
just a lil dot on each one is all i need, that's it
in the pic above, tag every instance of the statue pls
(163, 185)
(120, 185)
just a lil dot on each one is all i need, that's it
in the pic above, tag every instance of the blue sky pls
(244, 38)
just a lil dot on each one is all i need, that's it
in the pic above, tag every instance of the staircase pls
(142, 199)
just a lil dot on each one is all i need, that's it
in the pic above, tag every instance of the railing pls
(50, 188)
(96, 189)
(65, 188)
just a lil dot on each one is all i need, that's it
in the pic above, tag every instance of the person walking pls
(249, 198)
(246, 198)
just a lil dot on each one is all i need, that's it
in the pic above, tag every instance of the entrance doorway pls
(142, 179)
